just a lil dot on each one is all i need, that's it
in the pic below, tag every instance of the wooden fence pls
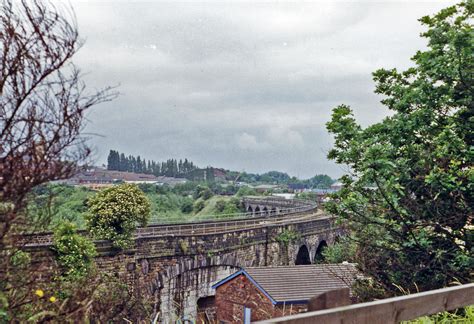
(390, 310)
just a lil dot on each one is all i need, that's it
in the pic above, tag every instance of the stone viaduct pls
(174, 266)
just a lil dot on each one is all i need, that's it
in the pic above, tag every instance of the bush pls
(74, 253)
(185, 189)
(148, 187)
(221, 205)
(287, 236)
(187, 206)
(341, 251)
(202, 192)
(115, 212)
(246, 191)
(206, 194)
(461, 315)
(199, 205)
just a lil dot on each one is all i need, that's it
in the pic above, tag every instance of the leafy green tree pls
(115, 212)
(202, 192)
(74, 252)
(233, 206)
(408, 199)
(320, 181)
(246, 191)
(113, 160)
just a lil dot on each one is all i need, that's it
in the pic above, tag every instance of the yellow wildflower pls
(39, 293)
(52, 299)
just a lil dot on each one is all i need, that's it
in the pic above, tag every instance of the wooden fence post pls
(330, 299)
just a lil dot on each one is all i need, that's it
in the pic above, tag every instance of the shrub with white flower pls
(115, 212)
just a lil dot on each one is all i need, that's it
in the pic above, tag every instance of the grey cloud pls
(241, 85)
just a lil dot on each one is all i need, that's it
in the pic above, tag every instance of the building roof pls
(102, 175)
(297, 186)
(130, 176)
(266, 186)
(171, 180)
(297, 284)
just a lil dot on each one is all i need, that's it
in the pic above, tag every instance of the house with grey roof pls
(259, 293)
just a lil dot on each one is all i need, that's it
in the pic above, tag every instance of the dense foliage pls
(246, 191)
(74, 252)
(408, 199)
(202, 192)
(51, 205)
(320, 181)
(343, 250)
(461, 316)
(115, 212)
(287, 236)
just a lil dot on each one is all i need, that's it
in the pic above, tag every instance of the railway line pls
(227, 226)
(291, 212)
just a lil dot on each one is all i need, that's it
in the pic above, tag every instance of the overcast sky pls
(240, 85)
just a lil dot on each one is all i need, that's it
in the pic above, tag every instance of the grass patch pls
(460, 316)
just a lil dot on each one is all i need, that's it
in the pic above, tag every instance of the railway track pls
(226, 226)
(295, 211)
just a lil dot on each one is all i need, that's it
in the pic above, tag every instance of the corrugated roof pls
(300, 283)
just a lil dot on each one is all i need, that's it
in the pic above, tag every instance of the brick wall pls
(234, 295)
(240, 292)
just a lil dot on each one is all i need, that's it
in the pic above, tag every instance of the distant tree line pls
(320, 181)
(186, 169)
(170, 168)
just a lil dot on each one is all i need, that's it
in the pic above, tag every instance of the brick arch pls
(257, 210)
(319, 250)
(303, 257)
(311, 242)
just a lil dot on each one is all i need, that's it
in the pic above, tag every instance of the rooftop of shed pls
(293, 284)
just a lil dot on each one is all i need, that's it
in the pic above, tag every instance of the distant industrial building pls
(297, 187)
(97, 178)
(337, 186)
